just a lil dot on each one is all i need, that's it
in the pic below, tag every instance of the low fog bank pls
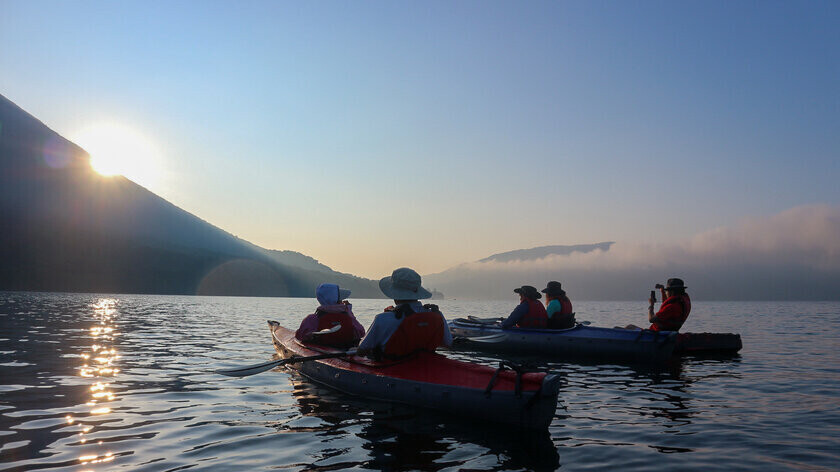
(793, 255)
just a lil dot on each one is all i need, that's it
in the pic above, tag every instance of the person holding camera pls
(676, 305)
(334, 310)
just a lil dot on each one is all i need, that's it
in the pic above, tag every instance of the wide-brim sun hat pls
(554, 288)
(528, 292)
(404, 284)
(674, 283)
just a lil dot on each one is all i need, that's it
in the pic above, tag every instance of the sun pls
(117, 149)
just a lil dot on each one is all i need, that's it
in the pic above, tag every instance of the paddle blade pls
(252, 369)
(334, 329)
(490, 338)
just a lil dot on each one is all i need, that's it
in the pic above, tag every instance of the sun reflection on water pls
(99, 365)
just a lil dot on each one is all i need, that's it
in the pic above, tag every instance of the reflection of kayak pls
(707, 343)
(581, 341)
(427, 380)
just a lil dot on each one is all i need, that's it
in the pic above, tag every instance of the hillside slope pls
(66, 228)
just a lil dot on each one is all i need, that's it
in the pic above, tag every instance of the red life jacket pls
(672, 314)
(536, 316)
(565, 306)
(344, 337)
(563, 319)
(421, 331)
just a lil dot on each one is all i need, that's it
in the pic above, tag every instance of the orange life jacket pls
(421, 331)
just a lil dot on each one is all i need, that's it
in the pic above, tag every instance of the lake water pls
(108, 382)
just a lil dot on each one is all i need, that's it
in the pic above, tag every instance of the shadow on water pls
(398, 437)
(654, 390)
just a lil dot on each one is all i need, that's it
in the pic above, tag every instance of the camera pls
(658, 286)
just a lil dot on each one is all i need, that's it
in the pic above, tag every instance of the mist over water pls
(105, 382)
(792, 255)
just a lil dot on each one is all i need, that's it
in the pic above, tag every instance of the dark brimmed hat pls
(674, 283)
(528, 292)
(554, 288)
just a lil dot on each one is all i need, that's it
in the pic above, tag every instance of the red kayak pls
(506, 395)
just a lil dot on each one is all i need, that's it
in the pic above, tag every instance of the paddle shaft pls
(258, 368)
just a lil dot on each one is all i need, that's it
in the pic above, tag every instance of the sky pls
(373, 135)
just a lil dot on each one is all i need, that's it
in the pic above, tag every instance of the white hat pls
(403, 284)
(330, 294)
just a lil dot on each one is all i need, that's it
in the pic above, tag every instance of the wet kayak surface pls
(109, 382)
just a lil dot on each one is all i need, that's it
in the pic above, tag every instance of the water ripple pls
(125, 382)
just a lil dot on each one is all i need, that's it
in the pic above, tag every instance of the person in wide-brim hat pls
(408, 326)
(676, 305)
(530, 313)
(675, 308)
(404, 284)
(558, 306)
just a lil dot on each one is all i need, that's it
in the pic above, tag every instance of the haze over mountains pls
(793, 255)
(67, 228)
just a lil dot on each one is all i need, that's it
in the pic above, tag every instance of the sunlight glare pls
(116, 149)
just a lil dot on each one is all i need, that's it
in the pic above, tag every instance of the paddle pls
(327, 330)
(490, 338)
(257, 368)
(476, 319)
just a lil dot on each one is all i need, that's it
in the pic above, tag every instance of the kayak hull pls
(432, 381)
(692, 344)
(579, 342)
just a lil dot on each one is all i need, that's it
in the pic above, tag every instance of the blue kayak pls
(581, 341)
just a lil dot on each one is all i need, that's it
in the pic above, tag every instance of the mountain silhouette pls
(67, 228)
(545, 251)
(495, 277)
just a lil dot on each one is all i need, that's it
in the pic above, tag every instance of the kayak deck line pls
(421, 367)
(582, 340)
(578, 341)
(430, 380)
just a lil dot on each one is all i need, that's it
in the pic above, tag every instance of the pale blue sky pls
(371, 135)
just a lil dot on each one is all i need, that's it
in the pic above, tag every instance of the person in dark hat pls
(408, 326)
(530, 313)
(558, 307)
(676, 305)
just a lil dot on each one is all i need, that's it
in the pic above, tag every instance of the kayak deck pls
(433, 381)
(579, 341)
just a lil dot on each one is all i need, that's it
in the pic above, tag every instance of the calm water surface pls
(91, 382)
